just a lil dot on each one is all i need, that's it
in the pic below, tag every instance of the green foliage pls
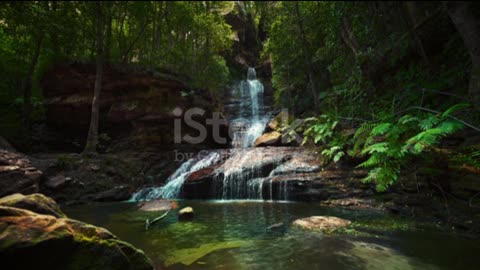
(321, 129)
(186, 38)
(391, 145)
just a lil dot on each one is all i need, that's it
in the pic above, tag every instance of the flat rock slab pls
(158, 205)
(321, 223)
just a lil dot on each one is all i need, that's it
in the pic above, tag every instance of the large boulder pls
(321, 223)
(269, 139)
(29, 240)
(37, 203)
(17, 174)
(278, 121)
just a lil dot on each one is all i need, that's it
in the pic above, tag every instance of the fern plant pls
(323, 129)
(390, 145)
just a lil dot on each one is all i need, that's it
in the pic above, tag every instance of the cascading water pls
(243, 175)
(173, 186)
(250, 120)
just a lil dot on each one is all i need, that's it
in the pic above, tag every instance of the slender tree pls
(92, 138)
(307, 57)
(27, 85)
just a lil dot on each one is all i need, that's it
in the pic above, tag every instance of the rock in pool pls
(157, 205)
(185, 214)
(321, 223)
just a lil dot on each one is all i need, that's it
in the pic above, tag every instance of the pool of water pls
(233, 235)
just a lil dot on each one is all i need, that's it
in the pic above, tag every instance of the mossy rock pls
(37, 203)
(33, 241)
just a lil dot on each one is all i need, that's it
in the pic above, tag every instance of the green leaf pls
(338, 156)
(381, 129)
(454, 108)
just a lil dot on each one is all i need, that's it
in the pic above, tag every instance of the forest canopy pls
(325, 60)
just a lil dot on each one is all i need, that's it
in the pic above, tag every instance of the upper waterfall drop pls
(250, 120)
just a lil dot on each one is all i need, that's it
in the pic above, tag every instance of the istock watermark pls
(217, 121)
(182, 157)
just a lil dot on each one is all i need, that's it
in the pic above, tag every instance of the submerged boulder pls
(158, 205)
(185, 214)
(73, 244)
(321, 223)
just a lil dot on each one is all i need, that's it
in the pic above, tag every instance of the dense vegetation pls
(404, 73)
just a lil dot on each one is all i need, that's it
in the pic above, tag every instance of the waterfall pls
(242, 175)
(250, 120)
(174, 183)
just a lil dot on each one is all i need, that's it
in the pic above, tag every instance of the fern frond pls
(429, 122)
(407, 119)
(367, 127)
(338, 156)
(450, 126)
(381, 129)
(376, 148)
(454, 108)
(424, 140)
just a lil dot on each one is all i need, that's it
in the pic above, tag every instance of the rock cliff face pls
(133, 103)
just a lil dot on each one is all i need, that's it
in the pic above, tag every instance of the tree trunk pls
(108, 41)
(411, 8)
(134, 41)
(92, 138)
(306, 55)
(351, 41)
(467, 25)
(27, 85)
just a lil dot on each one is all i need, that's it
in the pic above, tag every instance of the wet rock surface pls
(274, 173)
(157, 205)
